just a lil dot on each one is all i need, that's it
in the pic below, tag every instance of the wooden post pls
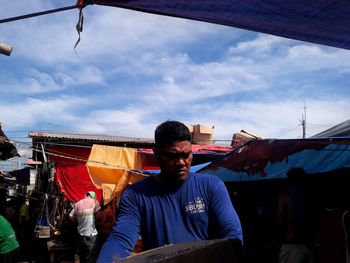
(5, 49)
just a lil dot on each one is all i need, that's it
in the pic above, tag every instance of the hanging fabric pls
(42, 227)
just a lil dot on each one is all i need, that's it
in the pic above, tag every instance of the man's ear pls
(156, 152)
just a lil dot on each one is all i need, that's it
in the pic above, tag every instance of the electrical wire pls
(26, 196)
(288, 131)
(77, 158)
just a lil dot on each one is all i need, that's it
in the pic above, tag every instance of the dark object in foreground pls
(210, 251)
(7, 148)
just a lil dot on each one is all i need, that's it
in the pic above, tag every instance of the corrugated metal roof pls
(87, 137)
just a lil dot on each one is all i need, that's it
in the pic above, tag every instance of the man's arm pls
(71, 214)
(125, 232)
(225, 218)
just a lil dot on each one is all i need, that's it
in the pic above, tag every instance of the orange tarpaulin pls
(110, 169)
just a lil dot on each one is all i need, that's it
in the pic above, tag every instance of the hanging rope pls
(79, 25)
(11, 19)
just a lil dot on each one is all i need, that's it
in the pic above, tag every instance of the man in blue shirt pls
(173, 207)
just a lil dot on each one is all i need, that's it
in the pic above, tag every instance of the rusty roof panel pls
(87, 137)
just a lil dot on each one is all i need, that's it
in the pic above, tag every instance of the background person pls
(173, 207)
(84, 212)
(105, 222)
(296, 220)
(9, 246)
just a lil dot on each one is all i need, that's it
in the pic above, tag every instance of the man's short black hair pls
(171, 131)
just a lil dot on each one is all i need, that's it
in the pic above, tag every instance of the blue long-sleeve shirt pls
(200, 209)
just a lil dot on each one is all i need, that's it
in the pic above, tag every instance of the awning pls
(320, 22)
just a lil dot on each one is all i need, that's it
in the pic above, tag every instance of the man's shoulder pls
(206, 181)
(78, 203)
(147, 180)
(85, 203)
(205, 177)
(143, 184)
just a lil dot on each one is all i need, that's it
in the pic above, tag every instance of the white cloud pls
(117, 31)
(281, 55)
(128, 122)
(261, 46)
(33, 111)
(34, 81)
(270, 119)
(107, 31)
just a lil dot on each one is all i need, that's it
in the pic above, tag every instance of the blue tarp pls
(271, 159)
(315, 21)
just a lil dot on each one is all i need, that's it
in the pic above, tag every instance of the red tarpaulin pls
(71, 173)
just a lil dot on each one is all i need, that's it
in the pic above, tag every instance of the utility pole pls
(303, 122)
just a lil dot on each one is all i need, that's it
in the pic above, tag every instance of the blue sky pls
(132, 71)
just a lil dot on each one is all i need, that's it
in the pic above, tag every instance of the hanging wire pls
(77, 158)
(33, 190)
(72, 157)
(27, 196)
(288, 131)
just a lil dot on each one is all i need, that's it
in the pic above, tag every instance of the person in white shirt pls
(84, 212)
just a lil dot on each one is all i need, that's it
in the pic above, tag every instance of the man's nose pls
(181, 161)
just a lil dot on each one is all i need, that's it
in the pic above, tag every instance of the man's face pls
(175, 160)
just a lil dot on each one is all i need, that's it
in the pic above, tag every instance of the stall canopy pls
(339, 130)
(320, 22)
(271, 159)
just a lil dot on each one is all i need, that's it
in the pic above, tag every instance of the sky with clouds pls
(132, 71)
